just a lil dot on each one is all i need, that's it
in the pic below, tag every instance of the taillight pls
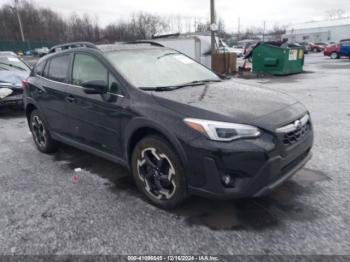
(25, 84)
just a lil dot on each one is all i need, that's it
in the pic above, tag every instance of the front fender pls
(140, 122)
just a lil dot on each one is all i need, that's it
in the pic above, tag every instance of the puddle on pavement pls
(245, 214)
(227, 215)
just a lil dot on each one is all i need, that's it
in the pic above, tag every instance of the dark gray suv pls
(174, 123)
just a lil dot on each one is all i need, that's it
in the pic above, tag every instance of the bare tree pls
(335, 14)
(45, 25)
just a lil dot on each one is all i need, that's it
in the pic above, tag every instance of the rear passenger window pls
(58, 70)
(86, 68)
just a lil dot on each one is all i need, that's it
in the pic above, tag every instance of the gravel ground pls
(44, 210)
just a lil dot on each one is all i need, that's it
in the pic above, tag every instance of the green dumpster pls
(276, 60)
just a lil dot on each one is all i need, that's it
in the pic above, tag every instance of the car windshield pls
(153, 68)
(11, 63)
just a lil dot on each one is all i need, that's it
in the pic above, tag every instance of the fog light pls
(228, 181)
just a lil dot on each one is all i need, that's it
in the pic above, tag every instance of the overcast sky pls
(251, 12)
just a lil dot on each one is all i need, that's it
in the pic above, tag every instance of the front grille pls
(294, 132)
(293, 137)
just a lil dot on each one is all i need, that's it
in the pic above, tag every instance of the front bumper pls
(12, 100)
(257, 166)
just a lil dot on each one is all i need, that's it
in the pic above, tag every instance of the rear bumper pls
(256, 166)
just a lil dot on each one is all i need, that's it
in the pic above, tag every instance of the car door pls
(96, 118)
(51, 93)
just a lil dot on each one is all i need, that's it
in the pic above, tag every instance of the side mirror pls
(95, 87)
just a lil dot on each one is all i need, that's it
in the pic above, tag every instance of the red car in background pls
(333, 51)
(317, 47)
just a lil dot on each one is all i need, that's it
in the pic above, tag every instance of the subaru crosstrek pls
(175, 124)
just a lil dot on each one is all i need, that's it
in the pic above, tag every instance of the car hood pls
(12, 78)
(231, 100)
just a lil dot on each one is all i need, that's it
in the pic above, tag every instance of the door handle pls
(70, 99)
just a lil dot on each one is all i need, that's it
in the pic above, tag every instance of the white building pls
(321, 31)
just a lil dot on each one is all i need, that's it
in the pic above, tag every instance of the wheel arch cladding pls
(29, 109)
(139, 132)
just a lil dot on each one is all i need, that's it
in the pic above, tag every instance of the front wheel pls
(158, 172)
(41, 134)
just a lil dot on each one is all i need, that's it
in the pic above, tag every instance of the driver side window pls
(87, 68)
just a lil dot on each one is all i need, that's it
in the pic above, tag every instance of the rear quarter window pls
(39, 68)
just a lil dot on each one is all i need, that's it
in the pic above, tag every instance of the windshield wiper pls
(200, 82)
(11, 65)
(158, 88)
(175, 87)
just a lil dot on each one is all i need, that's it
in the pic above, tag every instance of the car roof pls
(86, 46)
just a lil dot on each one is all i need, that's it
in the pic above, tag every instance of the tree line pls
(45, 25)
(42, 24)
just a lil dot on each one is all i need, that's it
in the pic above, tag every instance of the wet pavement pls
(72, 202)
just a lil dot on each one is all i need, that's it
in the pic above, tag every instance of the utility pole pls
(212, 28)
(19, 20)
(264, 31)
(239, 29)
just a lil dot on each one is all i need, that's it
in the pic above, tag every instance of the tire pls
(41, 135)
(158, 172)
(334, 55)
(315, 50)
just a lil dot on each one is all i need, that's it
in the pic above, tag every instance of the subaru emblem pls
(298, 124)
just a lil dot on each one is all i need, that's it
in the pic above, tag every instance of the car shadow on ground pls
(11, 112)
(246, 214)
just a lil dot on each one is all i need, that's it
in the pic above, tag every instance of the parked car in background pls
(7, 53)
(317, 47)
(306, 47)
(333, 51)
(40, 52)
(345, 48)
(223, 47)
(28, 53)
(12, 72)
(248, 45)
(174, 123)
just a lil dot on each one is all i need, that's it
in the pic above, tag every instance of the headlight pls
(222, 131)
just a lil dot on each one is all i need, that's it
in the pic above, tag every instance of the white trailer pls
(196, 47)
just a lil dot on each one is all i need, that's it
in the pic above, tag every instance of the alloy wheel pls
(157, 173)
(39, 131)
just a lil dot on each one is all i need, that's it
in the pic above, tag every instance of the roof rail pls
(66, 46)
(166, 36)
(145, 42)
